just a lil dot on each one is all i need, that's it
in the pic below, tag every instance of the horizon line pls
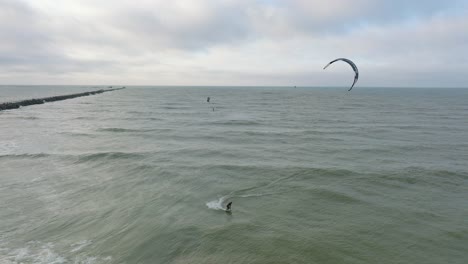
(243, 86)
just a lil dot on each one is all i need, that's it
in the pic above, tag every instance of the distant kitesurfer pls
(208, 99)
(228, 207)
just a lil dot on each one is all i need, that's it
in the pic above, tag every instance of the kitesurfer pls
(208, 99)
(228, 207)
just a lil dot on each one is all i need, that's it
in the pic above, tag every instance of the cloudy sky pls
(234, 42)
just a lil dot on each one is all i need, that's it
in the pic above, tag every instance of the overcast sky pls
(234, 42)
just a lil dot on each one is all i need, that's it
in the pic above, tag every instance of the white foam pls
(46, 255)
(257, 194)
(7, 148)
(20, 254)
(217, 204)
(78, 246)
(87, 260)
(43, 253)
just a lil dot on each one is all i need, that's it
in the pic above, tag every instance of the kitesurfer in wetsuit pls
(228, 207)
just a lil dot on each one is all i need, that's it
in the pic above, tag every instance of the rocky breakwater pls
(15, 105)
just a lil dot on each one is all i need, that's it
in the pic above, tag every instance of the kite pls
(356, 71)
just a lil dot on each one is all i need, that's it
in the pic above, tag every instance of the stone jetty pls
(14, 105)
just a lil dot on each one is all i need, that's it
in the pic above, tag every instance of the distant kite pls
(356, 71)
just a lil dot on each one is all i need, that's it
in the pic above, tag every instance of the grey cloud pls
(21, 35)
(29, 44)
(222, 24)
(342, 16)
(440, 40)
(128, 40)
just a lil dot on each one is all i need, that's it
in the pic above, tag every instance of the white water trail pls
(220, 203)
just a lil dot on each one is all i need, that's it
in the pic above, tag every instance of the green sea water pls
(315, 175)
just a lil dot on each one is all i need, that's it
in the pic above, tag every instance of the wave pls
(26, 155)
(27, 117)
(118, 130)
(335, 182)
(143, 118)
(333, 195)
(236, 123)
(80, 158)
(417, 175)
(125, 130)
(270, 133)
(83, 118)
(75, 134)
(83, 158)
(176, 107)
(289, 171)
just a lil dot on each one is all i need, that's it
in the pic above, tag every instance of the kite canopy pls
(356, 71)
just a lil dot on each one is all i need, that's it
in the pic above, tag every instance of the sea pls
(314, 174)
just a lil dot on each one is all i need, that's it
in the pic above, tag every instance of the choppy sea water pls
(316, 175)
